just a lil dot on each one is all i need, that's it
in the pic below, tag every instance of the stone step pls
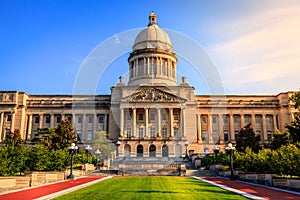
(200, 172)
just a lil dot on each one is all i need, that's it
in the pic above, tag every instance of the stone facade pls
(152, 115)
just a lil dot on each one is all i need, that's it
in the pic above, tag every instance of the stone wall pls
(14, 183)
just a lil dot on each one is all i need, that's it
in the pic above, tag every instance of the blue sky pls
(254, 44)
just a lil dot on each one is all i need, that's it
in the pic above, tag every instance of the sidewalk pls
(51, 190)
(254, 191)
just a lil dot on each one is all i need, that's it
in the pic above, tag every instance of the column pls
(40, 120)
(122, 123)
(105, 122)
(74, 120)
(253, 121)
(145, 67)
(62, 117)
(146, 122)
(29, 127)
(221, 135)
(274, 122)
(52, 121)
(158, 123)
(137, 67)
(95, 124)
(12, 129)
(84, 131)
(1, 125)
(183, 122)
(199, 139)
(231, 127)
(148, 66)
(134, 122)
(171, 122)
(242, 120)
(264, 128)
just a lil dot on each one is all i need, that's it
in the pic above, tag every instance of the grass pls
(151, 188)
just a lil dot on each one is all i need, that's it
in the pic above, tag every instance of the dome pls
(153, 37)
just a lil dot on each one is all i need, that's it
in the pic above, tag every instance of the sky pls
(253, 44)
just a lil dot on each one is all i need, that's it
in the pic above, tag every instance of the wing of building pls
(152, 115)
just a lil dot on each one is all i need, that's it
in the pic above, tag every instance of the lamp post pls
(186, 144)
(216, 151)
(118, 143)
(97, 158)
(230, 149)
(72, 151)
(206, 153)
(88, 148)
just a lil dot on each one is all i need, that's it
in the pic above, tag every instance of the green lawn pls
(151, 188)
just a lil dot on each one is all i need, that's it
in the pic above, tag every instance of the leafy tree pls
(43, 136)
(13, 138)
(247, 138)
(63, 136)
(294, 130)
(279, 139)
(296, 99)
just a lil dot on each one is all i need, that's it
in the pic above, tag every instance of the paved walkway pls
(55, 189)
(255, 191)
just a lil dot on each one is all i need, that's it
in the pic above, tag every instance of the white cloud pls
(263, 50)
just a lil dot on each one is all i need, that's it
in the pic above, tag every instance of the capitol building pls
(151, 115)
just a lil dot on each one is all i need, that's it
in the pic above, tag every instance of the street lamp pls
(88, 148)
(206, 153)
(216, 151)
(118, 143)
(98, 153)
(230, 149)
(72, 151)
(186, 144)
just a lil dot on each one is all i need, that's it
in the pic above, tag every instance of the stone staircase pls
(200, 172)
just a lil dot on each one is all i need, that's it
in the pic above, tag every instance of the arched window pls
(152, 151)
(165, 151)
(139, 151)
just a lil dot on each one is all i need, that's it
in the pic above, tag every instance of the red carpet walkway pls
(264, 192)
(37, 192)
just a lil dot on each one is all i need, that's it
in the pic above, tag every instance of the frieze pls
(153, 95)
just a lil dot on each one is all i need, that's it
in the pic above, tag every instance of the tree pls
(294, 130)
(296, 99)
(63, 136)
(247, 138)
(43, 136)
(13, 138)
(102, 143)
(279, 139)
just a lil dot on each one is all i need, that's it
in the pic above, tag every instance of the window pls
(225, 120)
(47, 119)
(236, 120)
(79, 133)
(152, 132)
(214, 120)
(164, 117)
(70, 119)
(203, 120)
(101, 120)
(58, 119)
(236, 134)
(204, 136)
(269, 135)
(215, 135)
(226, 138)
(90, 119)
(90, 135)
(268, 120)
(36, 120)
(247, 120)
(257, 120)
(176, 133)
(9, 118)
(141, 132)
(152, 117)
(258, 133)
(141, 117)
(164, 132)
(128, 132)
(79, 119)
(176, 117)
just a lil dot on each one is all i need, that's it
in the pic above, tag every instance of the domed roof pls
(153, 37)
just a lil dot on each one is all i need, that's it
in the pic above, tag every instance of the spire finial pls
(152, 19)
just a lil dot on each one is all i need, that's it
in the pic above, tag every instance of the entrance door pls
(139, 151)
(165, 151)
(127, 150)
(178, 151)
(152, 151)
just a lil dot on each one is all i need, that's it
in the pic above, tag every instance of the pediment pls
(153, 95)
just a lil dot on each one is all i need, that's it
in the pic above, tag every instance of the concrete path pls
(52, 190)
(252, 191)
